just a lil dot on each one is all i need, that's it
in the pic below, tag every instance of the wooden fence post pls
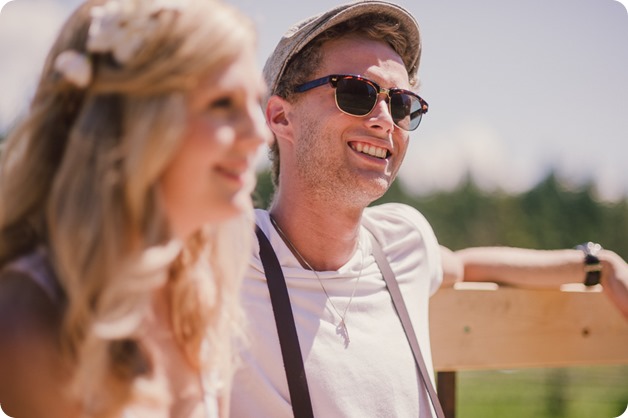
(446, 388)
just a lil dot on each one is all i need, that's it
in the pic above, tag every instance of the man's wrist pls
(592, 265)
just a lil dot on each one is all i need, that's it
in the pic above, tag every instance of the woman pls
(132, 169)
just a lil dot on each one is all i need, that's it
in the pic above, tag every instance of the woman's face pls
(212, 173)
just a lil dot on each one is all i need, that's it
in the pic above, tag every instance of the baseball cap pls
(301, 34)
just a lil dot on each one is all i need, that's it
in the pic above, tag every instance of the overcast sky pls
(516, 88)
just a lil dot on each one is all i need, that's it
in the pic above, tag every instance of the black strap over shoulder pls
(286, 329)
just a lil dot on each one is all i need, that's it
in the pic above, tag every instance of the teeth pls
(370, 150)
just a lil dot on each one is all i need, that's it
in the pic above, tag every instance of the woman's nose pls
(256, 130)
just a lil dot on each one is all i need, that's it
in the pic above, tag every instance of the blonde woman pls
(125, 214)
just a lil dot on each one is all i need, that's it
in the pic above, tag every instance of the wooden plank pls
(514, 328)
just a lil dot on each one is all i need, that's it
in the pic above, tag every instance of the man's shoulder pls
(395, 213)
(261, 217)
(397, 222)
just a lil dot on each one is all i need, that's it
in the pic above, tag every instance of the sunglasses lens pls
(406, 110)
(355, 96)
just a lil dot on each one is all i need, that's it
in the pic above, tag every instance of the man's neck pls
(324, 234)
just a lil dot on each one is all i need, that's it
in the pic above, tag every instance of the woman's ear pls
(276, 115)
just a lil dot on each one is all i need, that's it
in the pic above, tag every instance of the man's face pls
(343, 157)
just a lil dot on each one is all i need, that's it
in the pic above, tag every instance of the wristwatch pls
(592, 266)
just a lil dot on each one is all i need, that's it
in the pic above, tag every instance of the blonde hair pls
(79, 176)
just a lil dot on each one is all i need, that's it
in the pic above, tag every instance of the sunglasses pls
(357, 96)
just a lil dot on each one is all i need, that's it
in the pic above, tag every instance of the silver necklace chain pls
(341, 328)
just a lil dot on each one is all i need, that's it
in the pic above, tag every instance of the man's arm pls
(522, 267)
(453, 268)
(535, 269)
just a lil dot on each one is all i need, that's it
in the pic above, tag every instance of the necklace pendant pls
(341, 329)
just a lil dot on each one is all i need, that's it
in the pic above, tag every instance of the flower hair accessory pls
(75, 67)
(119, 27)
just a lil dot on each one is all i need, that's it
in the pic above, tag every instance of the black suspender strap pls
(286, 329)
(402, 312)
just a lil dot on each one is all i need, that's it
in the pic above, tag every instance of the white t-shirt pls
(374, 374)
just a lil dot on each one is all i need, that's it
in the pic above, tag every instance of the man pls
(341, 109)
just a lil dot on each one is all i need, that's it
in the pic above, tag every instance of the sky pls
(516, 88)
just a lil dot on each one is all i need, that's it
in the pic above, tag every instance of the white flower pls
(122, 26)
(75, 67)
(105, 21)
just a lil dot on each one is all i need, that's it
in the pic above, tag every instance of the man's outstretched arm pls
(535, 269)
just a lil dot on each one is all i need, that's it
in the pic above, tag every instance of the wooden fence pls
(483, 326)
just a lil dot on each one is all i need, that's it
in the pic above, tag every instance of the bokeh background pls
(525, 144)
(517, 89)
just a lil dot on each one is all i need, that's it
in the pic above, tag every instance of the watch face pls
(592, 248)
(589, 248)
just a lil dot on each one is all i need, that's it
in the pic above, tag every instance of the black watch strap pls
(592, 266)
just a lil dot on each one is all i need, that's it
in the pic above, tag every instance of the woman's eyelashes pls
(222, 102)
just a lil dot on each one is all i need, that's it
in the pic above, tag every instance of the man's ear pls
(277, 110)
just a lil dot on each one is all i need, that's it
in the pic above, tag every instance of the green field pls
(583, 392)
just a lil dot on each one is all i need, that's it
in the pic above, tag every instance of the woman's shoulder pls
(29, 299)
(30, 354)
(25, 308)
(35, 267)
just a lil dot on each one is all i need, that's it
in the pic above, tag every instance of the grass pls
(576, 392)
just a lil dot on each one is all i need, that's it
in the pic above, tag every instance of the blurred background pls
(517, 89)
(525, 144)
